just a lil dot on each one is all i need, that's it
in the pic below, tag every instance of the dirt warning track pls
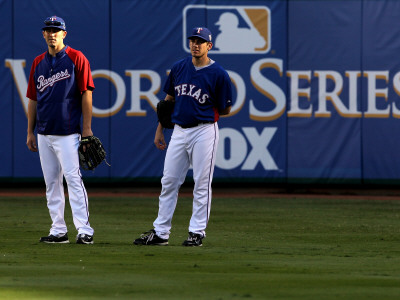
(375, 194)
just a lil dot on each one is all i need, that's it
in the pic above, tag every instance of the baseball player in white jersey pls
(60, 92)
(201, 90)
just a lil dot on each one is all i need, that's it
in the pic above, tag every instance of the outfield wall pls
(316, 84)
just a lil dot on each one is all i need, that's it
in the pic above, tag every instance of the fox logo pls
(237, 29)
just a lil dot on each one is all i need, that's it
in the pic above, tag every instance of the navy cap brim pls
(198, 36)
(58, 27)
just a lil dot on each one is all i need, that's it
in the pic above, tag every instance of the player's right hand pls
(160, 143)
(31, 142)
(159, 140)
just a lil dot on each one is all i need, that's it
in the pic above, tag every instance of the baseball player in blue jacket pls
(60, 91)
(201, 90)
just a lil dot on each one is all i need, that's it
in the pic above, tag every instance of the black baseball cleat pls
(193, 240)
(84, 239)
(150, 238)
(52, 239)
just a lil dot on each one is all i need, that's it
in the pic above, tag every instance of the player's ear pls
(209, 45)
(65, 34)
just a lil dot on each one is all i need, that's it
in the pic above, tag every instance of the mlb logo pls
(236, 29)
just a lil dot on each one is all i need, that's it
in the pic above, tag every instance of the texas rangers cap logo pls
(235, 29)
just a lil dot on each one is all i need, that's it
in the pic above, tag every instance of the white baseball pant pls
(195, 146)
(59, 157)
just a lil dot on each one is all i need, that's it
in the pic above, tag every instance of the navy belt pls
(195, 125)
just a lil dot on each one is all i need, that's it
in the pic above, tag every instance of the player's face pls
(199, 47)
(54, 37)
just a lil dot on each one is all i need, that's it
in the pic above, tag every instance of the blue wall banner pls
(316, 84)
(7, 86)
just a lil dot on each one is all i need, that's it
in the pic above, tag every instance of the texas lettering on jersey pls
(192, 91)
(45, 83)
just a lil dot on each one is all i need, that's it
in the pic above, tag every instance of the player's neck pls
(55, 50)
(201, 61)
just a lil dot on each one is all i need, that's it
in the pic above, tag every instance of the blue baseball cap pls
(201, 32)
(54, 22)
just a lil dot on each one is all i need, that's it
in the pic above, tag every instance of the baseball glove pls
(94, 153)
(164, 112)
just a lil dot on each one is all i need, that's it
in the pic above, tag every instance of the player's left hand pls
(86, 133)
(93, 154)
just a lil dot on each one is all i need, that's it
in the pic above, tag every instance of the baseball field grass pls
(272, 247)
